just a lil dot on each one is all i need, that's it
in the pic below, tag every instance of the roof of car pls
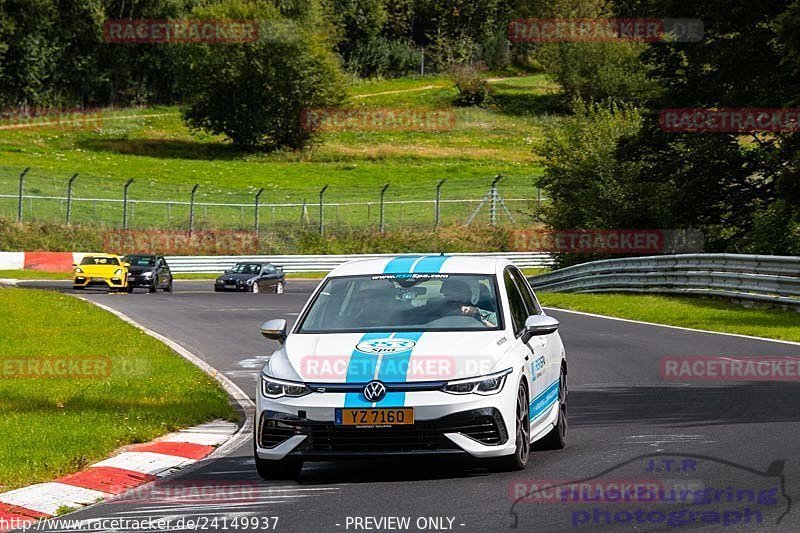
(422, 264)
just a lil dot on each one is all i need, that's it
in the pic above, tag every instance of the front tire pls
(168, 287)
(519, 459)
(256, 288)
(556, 439)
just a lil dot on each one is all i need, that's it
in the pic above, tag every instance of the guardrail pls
(774, 279)
(322, 263)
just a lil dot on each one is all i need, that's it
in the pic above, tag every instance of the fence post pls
(21, 190)
(191, 208)
(321, 213)
(538, 203)
(258, 196)
(125, 204)
(69, 199)
(383, 192)
(493, 200)
(438, 200)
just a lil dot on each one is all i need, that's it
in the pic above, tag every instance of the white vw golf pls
(413, 355)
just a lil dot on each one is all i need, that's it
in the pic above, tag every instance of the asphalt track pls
(724, 435)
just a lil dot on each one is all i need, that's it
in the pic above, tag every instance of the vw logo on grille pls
(374, 391)
(387, 345)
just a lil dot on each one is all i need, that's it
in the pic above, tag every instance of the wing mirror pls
(274, 329)
(538, 325)
(126, 265)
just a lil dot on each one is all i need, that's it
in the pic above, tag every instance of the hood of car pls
(99, 270)
(237, 277)
(140, 269)
(389, 357)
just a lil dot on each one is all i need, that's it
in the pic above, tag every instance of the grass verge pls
(699, 313)
(133, 389)
(33, 274)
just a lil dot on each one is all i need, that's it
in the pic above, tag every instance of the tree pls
(255, 92)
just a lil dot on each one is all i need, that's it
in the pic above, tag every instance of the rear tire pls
(279, 288)
(519, 459)
(556, 439)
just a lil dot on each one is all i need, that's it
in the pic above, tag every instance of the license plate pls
(98, 279)
(400, 416)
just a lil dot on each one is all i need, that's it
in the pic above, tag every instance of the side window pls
(525, 290)
(519, 313)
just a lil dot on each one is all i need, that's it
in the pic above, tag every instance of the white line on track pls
(791, 343)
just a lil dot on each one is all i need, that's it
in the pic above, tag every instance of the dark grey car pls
(148, 272)
(252, 277)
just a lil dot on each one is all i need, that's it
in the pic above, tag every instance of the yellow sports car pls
(104, 270)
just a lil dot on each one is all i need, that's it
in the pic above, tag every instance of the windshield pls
(388, 302)
(91, 260)
(246, 268)
(140, 260)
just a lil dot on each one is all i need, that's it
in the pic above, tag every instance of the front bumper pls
(88, 281)
(479, 426)
(237, 287)
(140, 281)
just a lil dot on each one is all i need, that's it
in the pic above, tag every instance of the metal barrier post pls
(125, 204)
(438, 201)
(383, 192)
(258, 196)
(69, 199)
(321, 213)
(191, 208)
(21, 189)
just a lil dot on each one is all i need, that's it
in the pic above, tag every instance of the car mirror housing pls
(274, 329)
(538, 325)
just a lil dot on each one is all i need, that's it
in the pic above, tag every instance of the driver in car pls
(458, 296)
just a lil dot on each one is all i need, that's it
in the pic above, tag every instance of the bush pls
(280, 239)
(255, 92)
(472, 87)
(588, 187)
(599, 71)
(384, 58)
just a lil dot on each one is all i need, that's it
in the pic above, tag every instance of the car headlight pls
(118, 272)
(78, 270)
(278, 388)
(148, 274)
(483, 385)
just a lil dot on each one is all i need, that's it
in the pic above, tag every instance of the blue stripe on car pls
(400, 265)
(394, 369)
(361, 369)
(543, 401)
(430, 264)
